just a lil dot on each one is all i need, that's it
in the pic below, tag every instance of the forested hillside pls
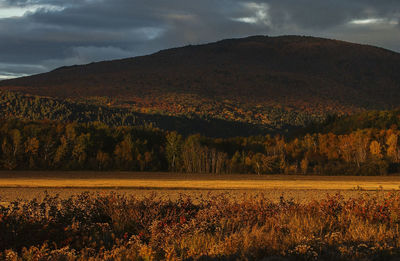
(31, 107)
(364, 120)
(244, 80)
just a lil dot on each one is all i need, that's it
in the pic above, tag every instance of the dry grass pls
(29, 185)
(299, 195)
(113, 227)
(197, 217)
(185, 181)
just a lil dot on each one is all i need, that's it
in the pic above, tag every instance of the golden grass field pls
(225, 217)
(191, 181)
(27, 185)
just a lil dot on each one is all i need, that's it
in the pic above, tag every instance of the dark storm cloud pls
(54, 32)
(328, 13)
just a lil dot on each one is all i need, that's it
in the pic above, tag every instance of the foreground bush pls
(115, 227)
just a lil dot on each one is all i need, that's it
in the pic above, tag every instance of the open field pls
(135, 180)
(300, 195)
(28, 185)
(163, 216)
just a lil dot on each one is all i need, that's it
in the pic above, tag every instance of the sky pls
(40, 35)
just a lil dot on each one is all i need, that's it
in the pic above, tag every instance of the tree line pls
(51, 145)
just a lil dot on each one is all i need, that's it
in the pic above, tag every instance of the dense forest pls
(363, 120)
(211, 121)
(54, 145)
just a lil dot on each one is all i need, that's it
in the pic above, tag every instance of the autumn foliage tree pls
(71, 146)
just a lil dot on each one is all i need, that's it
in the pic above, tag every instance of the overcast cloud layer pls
(40, 35)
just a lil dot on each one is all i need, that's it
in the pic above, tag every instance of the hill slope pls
(36, 108)
(237, 79)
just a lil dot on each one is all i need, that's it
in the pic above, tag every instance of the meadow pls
(27, 185)
(160, 180)
(160, 216)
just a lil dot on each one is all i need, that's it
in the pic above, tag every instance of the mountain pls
(245, 80)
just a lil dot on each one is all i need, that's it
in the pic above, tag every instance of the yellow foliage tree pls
(375, 149)
(392, 149)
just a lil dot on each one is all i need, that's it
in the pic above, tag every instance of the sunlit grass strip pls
(197, 184)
